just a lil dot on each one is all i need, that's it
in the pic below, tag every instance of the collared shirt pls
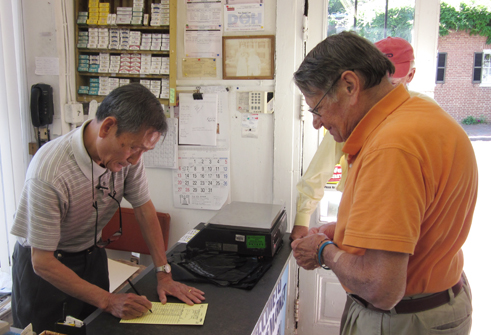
(55, 211)
(411, 188)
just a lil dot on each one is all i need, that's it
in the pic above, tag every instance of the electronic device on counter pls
(245, 228)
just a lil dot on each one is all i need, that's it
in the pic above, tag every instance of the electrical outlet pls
(74, 113)
(33, 147)
(43, 134)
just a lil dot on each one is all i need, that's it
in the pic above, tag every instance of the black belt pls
(61, 253)
(410, 306)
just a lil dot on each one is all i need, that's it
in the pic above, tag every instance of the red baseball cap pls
(399, 51)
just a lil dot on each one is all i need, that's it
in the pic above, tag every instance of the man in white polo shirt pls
(73, 187)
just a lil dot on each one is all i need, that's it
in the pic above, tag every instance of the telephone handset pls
(41, 105)
(42, 109)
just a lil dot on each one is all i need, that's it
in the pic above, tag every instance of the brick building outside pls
(460, 93)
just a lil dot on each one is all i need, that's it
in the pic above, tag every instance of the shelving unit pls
(83, 77)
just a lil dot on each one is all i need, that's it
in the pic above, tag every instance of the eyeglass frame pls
(314, 110)
(116, 235)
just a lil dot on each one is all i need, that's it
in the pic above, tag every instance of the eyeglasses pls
(314, 110)
(116, 235)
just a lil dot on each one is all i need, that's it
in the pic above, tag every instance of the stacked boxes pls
(165, 42)
(114, 36)
(83, 90)
(104, 10)
(115, 62)
(165, 67)
(125, 63)
(93, 12)
(124, 41)
(104, 86)
(103, 38)
(94, 86)
(156, 42)
(93, 38)
(135, 63)
(124, 15)
(146, 42)
(82, 17)
(107, 84)
(164, 93)
(137, 15)
(156, 64)
(135, 40)
(152, 85)
(146, 64)
(160, 13)
(104, 60)
(94, 63)
(83, 63)
(83, 39)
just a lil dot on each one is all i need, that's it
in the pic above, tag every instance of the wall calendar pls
(202, 179)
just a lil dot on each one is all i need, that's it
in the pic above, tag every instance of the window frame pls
(443, 68)
(482, 68)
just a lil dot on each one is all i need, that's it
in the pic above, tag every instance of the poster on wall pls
(204, 15)
(244, 17)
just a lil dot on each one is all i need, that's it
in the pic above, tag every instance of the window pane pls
(442, 57)
(478, 59)
(440, 75)
(401, 19)
(486, 78)
(371, 19)
(487, 60)
(477, 75)
(340, 16)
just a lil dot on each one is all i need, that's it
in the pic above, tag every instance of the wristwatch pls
(164, 268)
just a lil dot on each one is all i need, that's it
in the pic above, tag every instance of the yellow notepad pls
(172, 314)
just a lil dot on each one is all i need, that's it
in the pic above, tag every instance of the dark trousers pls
(36, 301)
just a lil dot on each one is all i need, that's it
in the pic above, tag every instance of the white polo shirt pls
(56, 208)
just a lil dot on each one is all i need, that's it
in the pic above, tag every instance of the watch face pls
(167, 268)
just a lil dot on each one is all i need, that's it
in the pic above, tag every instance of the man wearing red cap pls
(401, 54)
(311, 186)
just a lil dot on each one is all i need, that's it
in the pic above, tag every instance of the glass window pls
(441, 65)
(372, 19)
(486, 68)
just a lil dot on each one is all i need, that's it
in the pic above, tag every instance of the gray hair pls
(339, 53)
(135, 108)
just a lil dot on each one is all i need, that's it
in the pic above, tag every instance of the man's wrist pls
(166, 268)
(320, 248)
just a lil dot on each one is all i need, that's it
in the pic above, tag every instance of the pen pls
(136, 291)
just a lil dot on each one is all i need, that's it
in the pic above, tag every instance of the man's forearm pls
(146, 216)
(377, 276)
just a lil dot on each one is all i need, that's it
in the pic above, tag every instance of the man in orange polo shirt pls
(408, 200)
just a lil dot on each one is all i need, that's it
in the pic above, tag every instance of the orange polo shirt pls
(411, 188)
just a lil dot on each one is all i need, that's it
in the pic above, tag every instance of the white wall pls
(263, 169)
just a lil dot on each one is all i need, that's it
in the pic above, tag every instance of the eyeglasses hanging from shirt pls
(116, 235)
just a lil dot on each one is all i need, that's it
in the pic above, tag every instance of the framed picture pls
(248, 57)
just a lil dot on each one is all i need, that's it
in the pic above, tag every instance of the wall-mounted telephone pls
(42, 108)
(41, 105)
(257, 102)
